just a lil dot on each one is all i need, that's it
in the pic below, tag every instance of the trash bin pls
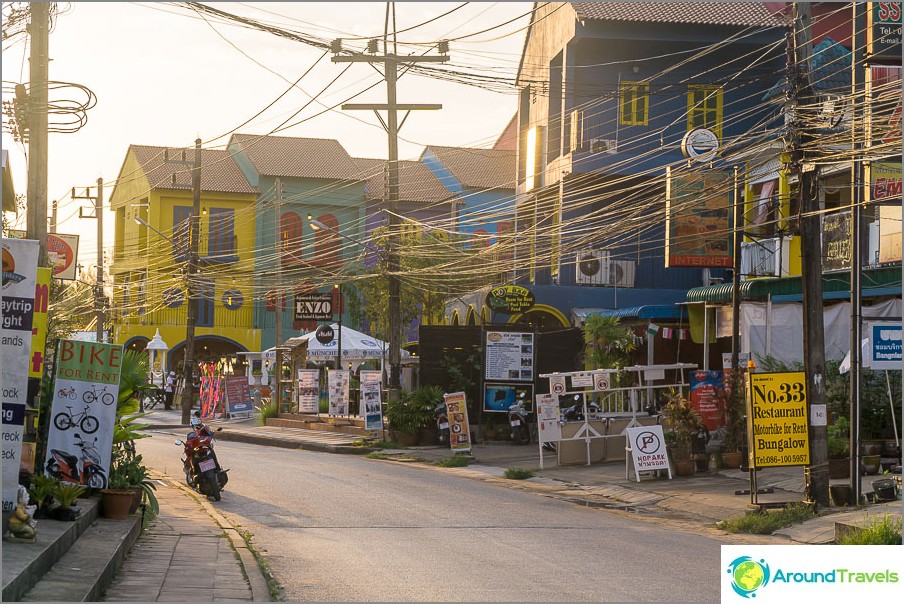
(885, 489)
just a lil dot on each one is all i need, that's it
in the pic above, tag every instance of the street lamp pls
(188, 391)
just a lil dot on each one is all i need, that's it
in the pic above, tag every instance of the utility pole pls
(36, 219)
(99, 298)
(391, 62)
(280, 248)
(811, 249)
(188, 366)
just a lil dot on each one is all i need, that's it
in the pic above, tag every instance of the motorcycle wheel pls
(53, 468)
(212, 488)
(97, 481)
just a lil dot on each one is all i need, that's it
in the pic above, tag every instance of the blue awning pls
(649, 311)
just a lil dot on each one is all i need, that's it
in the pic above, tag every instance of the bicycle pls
(67, 392)
(92, 395)
(65, 420)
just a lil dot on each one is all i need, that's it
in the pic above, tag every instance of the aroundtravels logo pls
(748, 575)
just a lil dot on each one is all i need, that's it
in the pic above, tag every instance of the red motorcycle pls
(202, 470)
(64, 465)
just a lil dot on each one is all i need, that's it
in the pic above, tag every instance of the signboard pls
(499, 397)
(325, 334)
(548, 426)
(62, 252)
(705, 388)
(836, 241)
(337, 386)
(647, 446)
(510, 299)
(697, 223)
(777, 432)
(557, 384)
(459, 428)
(308, 390)
(885, 182)
(39, 323)
(314, 307)
(509, 356)
(884, 32)
(238, 395)
(700, 145)
(601, 380)
(85, 392)
(20, 261)
(885, 346)
(371, 399)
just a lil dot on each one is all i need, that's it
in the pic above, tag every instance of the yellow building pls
(153, 204)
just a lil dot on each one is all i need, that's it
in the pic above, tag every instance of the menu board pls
(510, 356)
(238, 395)
(308, 391)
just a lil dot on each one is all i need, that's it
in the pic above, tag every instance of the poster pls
(337, 385)
(371, 399)
(647, 446)
(549, 428)
(509, 356)
(499, 397)
(698, 219)
(459, 428)
(238, 395)
(83, 414)
(308, 390)
(705, 389)
(777, 410)
(20, 261)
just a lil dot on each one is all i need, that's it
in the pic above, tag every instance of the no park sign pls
(777, 430)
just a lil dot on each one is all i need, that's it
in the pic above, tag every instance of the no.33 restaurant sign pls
(777, 408)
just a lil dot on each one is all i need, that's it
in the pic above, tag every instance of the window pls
(634, 99)
(291, 226)
(326, 242)
(704, 108)
(181, 231)
(221, 237)
(576, 134)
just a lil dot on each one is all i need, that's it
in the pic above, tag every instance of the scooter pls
(65, 466)
(519, 421)
(442, 423)
(202, 469)
(575, 411)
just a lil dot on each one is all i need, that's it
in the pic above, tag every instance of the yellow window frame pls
(633, 103)
(704, 108)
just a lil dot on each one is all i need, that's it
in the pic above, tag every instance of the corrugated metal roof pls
(478, 168)
(696, 13)
(218, 170)
(416, 182)
(294, 157)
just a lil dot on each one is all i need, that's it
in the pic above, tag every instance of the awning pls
(648, 311)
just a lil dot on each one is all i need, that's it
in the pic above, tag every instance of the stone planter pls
(840, 468)
(841, 494)
(871, 463)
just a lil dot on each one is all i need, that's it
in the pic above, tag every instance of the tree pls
(609, 344)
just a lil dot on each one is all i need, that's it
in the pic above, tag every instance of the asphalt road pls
(345, 528)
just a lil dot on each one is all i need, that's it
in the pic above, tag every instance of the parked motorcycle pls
(574, 411)
(441, 415)
(519, 420)
(65, 466)
(202, 469)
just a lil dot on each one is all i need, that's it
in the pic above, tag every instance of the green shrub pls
(411, 412)
(766, 522)
(519, 473)
(66, 493)
(267, 409)
(456, 461)
(881, 531)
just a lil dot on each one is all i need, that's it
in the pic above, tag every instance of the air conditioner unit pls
(621, 273)
(591, 267)
(603, 145)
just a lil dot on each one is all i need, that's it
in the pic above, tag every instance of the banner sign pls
(238, 395)
(314, 307)
(20, 262)
(697, 220)
(885, 346)
(337, 385)
(459, 428)
(62, 252)
(836, 241)
(549, 428)
(39, 324)
(705, 387)
(83, 415)
(509, 356)
(371, 399)
(648, 452)
(777, 432)
(884, 32)
(510, 299)
(308, 390)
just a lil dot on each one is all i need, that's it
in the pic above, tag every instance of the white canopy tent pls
(357, 347)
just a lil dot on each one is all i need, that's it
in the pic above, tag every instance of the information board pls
(777, 432)
(509, 356)
(371, 399)
(308, 390)
(238, 395)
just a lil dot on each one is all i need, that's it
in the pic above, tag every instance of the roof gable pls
(218, 171)
(478, 168)
(416, 182)
(294, 157)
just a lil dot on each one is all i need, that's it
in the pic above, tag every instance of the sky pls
(165, 76)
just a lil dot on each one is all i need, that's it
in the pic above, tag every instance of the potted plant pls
(734, 434)
(839, 451)
(41, 493)
(681, 421)
(428, 398)
(65, 494)
(407, 416)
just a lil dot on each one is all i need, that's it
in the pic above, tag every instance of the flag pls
(652, 329)
(667, 333)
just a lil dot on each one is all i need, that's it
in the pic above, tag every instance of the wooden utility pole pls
(36, 196)
(99, 298)
(391, 62)
(811, 251)
(280, 250)
(188, 365)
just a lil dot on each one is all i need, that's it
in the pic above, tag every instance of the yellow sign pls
(777, 431)
(39, 323)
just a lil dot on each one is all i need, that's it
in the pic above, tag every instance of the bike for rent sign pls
(86, 390)
(20, 262)
(777, 426)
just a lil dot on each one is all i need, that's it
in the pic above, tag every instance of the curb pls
(287, 443)
(260, 590)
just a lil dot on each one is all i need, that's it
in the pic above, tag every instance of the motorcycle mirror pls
(220, 429)
(178, 442)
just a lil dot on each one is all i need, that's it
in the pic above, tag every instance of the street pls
(347, 528)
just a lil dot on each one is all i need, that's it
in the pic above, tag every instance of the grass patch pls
(267, 409)
(881, 531)
(519, 473)
(272, 584)
(379, 455)
(456, 461)
(766, 522)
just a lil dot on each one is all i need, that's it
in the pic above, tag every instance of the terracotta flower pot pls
(732, 459)
(115, 503)
(684, 467)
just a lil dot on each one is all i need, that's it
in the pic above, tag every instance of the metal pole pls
(395, 318)
(188, 392)
(735, 281)
(99, 284)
